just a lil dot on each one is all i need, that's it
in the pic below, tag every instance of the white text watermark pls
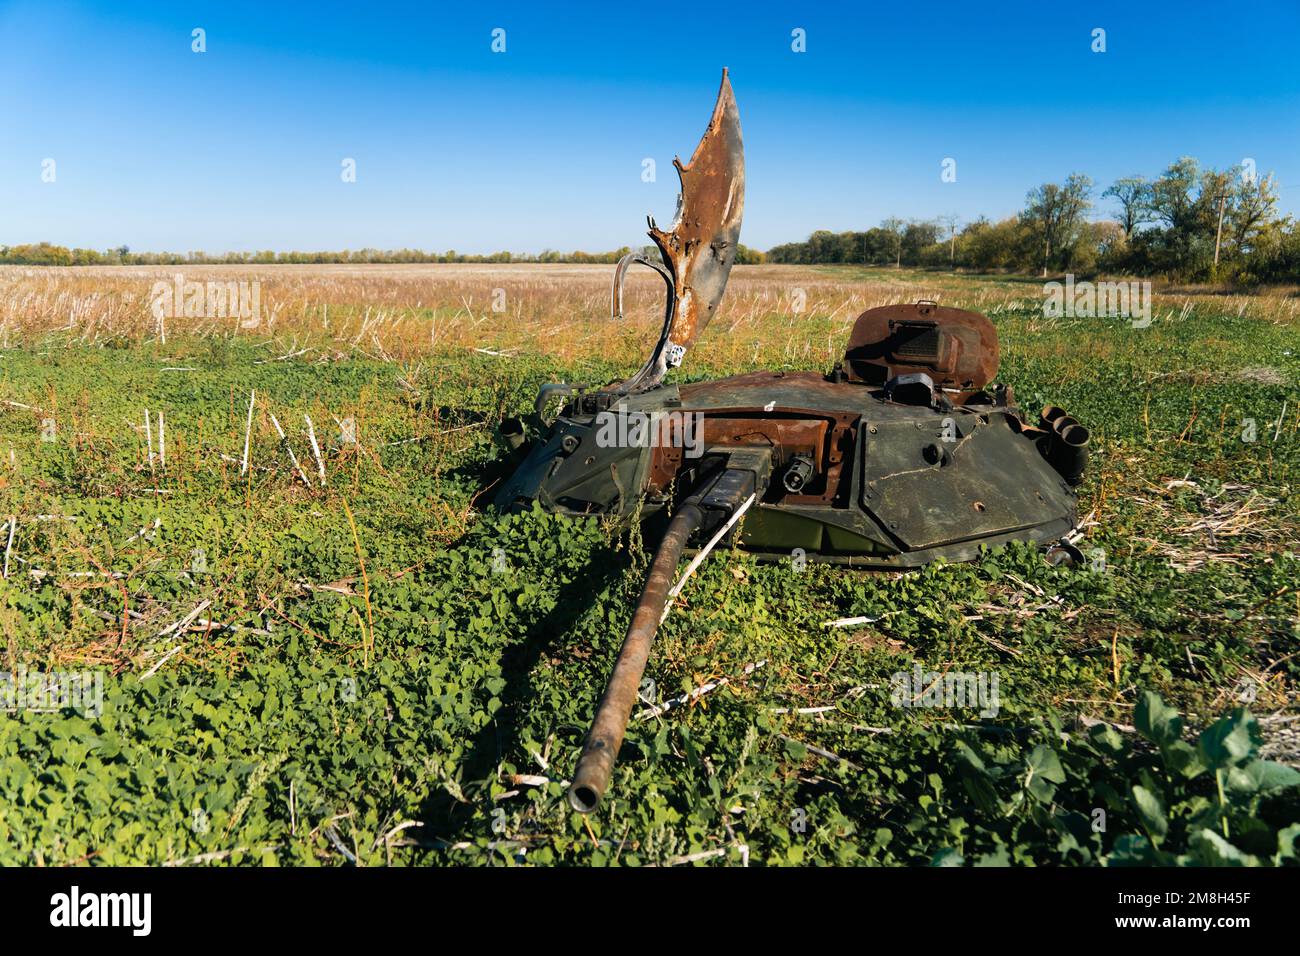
(1085, 300)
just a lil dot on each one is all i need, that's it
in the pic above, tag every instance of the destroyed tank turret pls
(904, 453)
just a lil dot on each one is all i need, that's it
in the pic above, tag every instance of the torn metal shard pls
(700, 247)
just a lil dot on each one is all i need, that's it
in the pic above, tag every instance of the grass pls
(379, 673)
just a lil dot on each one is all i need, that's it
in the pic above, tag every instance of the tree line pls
(47, 254)
(1190, 223)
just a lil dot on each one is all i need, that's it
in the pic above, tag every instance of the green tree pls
(1133, 193)
(895, 228)
(1055, 213)
(1254, 206)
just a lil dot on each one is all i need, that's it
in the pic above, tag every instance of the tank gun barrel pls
(715, 498)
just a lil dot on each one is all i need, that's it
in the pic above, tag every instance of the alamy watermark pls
(52, 691)
(619, 428)
(234, 299)
(1085, 300)
(75, 908)
(950, 689)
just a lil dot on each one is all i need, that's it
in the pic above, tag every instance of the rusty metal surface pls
(825, 438)
(791, 436)
(956, 348)
(600, 750)
(699, 248)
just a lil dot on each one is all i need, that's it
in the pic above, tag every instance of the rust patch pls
(825, 438)
(956, 348)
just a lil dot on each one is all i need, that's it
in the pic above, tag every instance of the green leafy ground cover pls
(415, 691)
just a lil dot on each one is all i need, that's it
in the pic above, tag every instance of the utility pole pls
(950, 220)
(1218, 233)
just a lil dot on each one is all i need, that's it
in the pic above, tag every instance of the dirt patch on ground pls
(1262, 375)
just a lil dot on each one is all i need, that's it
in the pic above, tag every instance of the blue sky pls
(239, 148)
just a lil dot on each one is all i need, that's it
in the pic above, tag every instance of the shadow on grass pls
(443, 815)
